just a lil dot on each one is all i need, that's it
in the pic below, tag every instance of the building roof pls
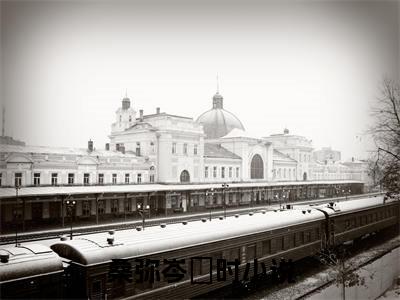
(277, 155)
(218, 122)
(217, 151)
(62, 151)
(9, 192)
(240, 133)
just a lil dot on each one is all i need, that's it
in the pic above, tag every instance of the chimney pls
(90, 146)
(108, 146)
(141, 115)
(158, 110)
(117, 147)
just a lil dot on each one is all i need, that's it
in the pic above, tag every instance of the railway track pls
(215, 214)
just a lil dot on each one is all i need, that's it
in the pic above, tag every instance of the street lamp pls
(70, 205)
(210, 193)
(276, 198)
(225, 186)
(142, 209)
(17, 187)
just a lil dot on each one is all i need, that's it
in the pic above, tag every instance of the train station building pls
(171, 163)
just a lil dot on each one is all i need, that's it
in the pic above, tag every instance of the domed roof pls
(218, 122)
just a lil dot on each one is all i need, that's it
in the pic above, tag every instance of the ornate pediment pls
(88, 160)
(18, 158)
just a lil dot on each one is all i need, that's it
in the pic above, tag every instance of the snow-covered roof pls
(349, 206)
(92, 249)
(239, 133)
(139, 188)
(62, 151)
(217, 151)
(277, 155)
(28, 260)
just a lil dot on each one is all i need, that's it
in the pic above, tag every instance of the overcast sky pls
(313, 67)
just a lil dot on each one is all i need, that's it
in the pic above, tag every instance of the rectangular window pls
(101, 178)
(54, 177)
(86, 208)
(206, 172)
(266, 247)
(185, 148)
(86, 178)
(237, 172)
(230, 172)
(230, 195)
(36, 178)
(18, 179)
(152, 178)
(126, 178)
(222, 172)
(173, 148)
(114, 206)
(139, 178)
(251, 252)
(71, 177)
(195, 150)
(215, 172)
(137, 149)
(114, 178)
(1, 177)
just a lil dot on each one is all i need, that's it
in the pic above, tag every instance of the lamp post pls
(210, 193)
(283, 196)
(276, 198)
(70, 205)
(142, 209)
(225, 186)
(17, 187)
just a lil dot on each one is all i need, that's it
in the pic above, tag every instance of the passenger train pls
(191, 258)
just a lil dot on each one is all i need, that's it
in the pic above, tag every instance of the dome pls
(218, 122)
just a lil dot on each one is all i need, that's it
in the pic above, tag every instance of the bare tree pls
(385, 166)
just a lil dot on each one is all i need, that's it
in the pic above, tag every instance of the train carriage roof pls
(353, 205)
(93, 249)
(26, 261)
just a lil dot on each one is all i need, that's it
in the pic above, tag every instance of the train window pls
(266, 247)
(279, 243)
(347, 224)
(233, 254)
(317, 233)
(301, 238)
(308, 236)
(251, 252)
(215, 256)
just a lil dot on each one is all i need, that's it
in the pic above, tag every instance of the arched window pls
(257, 167)
(185, 177)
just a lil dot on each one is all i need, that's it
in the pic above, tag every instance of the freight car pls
(33, 272)
(193, 258)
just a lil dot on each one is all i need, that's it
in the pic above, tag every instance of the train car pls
(193, 258)
(105, 265)
(354, 219)
(30, 272)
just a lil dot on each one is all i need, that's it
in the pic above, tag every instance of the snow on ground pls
(393, 293)
(306, 285)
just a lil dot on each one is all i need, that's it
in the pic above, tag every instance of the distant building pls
(326, 154)
(41, 166)
(8, 140)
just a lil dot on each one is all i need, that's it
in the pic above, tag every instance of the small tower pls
(125, 116)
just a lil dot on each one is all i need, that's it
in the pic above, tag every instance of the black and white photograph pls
(200, 149)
